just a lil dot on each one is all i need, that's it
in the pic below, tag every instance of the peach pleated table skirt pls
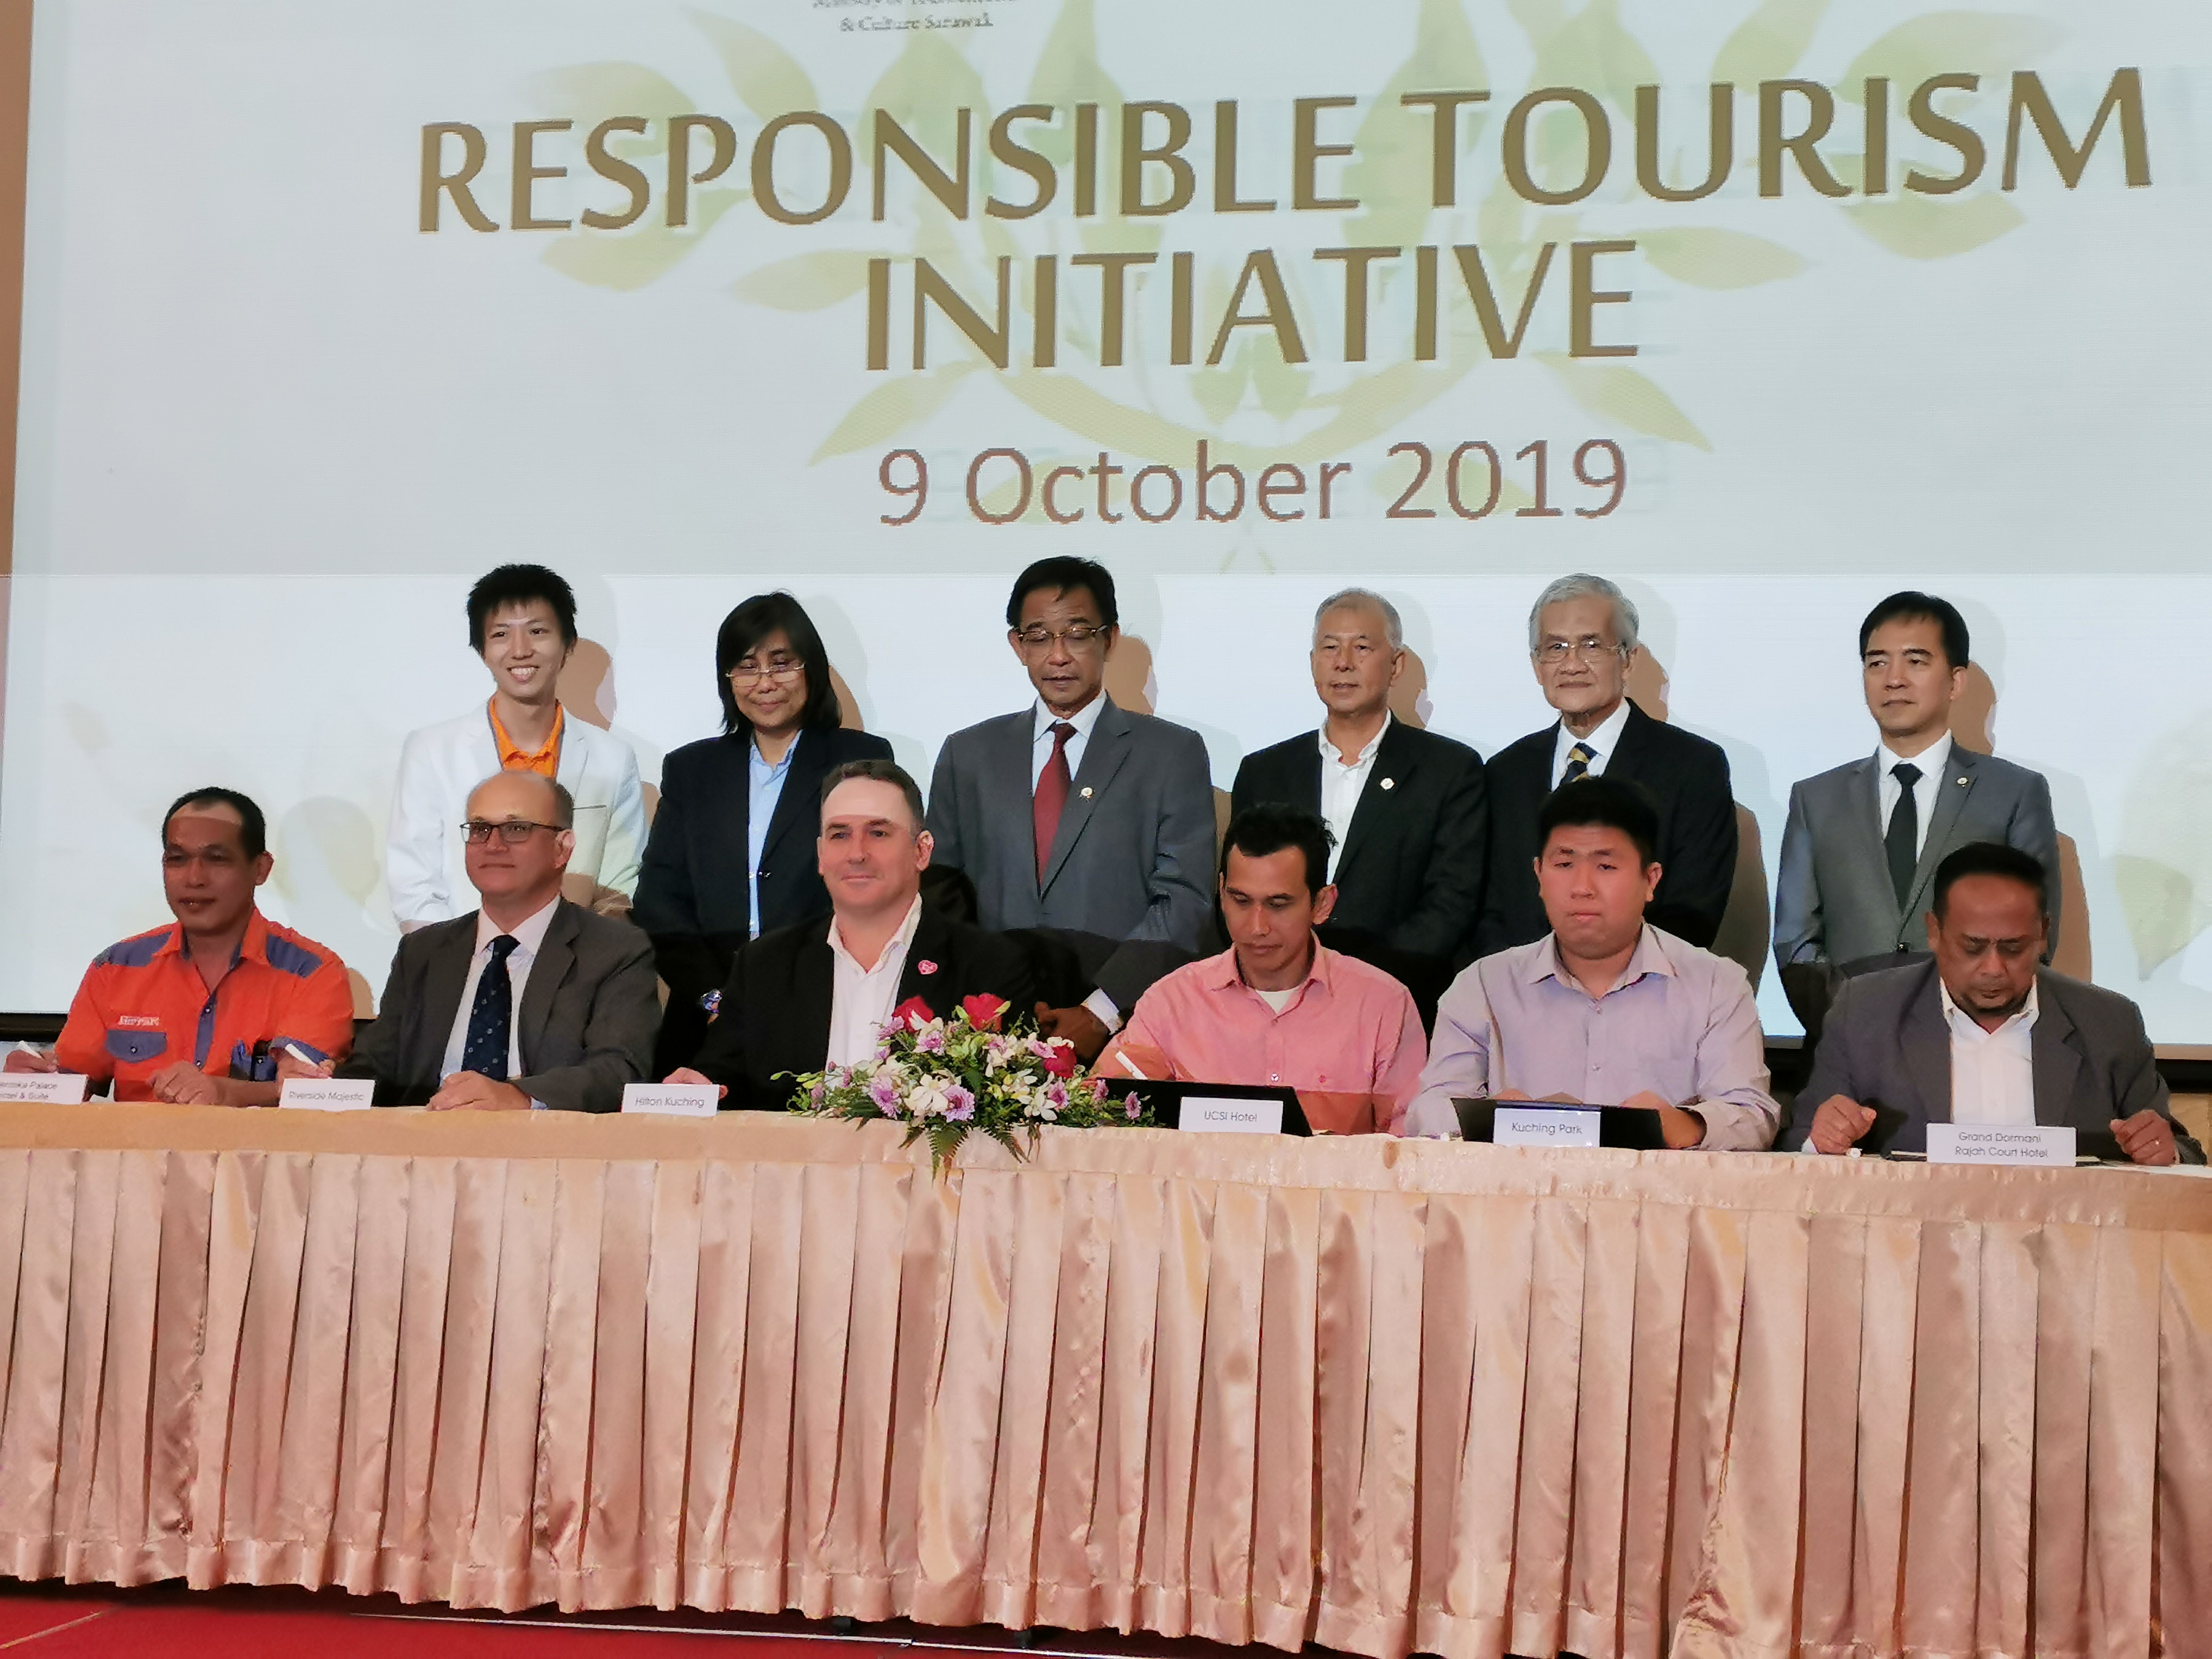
(1386, 1395)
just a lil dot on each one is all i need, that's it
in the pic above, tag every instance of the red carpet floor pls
(44, 1621)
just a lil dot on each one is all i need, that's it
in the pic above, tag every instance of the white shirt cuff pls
(1102, 1006)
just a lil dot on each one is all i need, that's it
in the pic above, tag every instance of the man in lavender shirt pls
(1605, 1009)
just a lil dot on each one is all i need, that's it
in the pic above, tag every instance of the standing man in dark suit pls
(1077, 817)
(1982, 1034)
(528, 1002)
(820, 993)
(729, 858)
(1581, 640)
(1406, 807)
(1864, 840)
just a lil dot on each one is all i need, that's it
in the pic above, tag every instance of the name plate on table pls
(1228, 1114)
(672, 1099)
(328, 1094)
(1545, 1125)
(47, 1088)
(2006, 1143)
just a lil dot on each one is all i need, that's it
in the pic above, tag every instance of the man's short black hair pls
(1060, 574)
(1606, 801)
(1992, 858)
(1912, 606)
(742, 630)
(1269, 826)
(519, 584)
(254, 833)
(879, 770)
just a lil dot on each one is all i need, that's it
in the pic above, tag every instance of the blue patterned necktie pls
(491, 1015)
(1578, 763)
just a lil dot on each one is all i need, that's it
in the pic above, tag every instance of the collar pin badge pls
(1087, 792)
(925, 966)
(1389, 783)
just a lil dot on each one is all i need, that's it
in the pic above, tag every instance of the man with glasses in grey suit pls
(1076, 817)
(1859, 851)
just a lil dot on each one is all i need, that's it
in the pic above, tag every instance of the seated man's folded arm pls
(1731, 1075)
(1459, 1059)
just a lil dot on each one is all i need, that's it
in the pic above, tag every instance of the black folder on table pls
(1166, 1100)
(1633, 1127)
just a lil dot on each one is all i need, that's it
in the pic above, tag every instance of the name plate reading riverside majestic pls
(328, 1094)
(1986, 1143)
(1215, 1114)
(1544, 1126)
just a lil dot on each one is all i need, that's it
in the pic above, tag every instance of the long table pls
(1383, 1395)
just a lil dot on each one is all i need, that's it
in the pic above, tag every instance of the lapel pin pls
(1963, 782)
(1388, 783)
(925, 966)
(1086, 790)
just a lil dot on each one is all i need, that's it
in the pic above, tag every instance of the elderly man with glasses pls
(1088, 826)
(529, 1002)
(1582, 642)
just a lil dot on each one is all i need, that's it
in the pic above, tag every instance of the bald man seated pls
(529, 1002)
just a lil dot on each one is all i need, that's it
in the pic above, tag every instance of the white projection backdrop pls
(272, 427)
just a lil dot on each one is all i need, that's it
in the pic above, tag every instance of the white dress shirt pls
(1992, 1073)
(861, 999)
(529, 940)
(1600, 743)
(1041, 737)
(1931, 762)
(1341, 784)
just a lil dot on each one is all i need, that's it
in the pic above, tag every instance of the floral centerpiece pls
(949, 1078)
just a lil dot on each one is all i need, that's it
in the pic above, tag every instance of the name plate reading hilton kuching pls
(1227, 1115)
(673, 1099)
(1544, 1126)
(328, 1094)
(46, 1088)
(2000, 1143)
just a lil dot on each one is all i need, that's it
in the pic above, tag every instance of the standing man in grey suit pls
(1077, 817)
(1863, 840)
(1982, 1035)
(530, 1001)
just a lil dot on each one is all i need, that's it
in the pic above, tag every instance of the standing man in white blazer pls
(522, 621)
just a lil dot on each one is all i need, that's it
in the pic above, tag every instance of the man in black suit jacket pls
(1407, 806)
(819, 993)
(1982, 1034)
(1582, 639)
(530, 1001)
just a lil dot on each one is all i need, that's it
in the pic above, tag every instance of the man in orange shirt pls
(202, 1012)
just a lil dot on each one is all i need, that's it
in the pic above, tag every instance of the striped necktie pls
(1578, 763)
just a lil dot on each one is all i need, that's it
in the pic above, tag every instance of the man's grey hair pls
(1391, 625)
(564, 804)
(1581, 586)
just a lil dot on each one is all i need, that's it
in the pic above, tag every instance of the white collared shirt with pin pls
(1992, 1073)
(1931, 761)
(1341, 783)
(861, 999)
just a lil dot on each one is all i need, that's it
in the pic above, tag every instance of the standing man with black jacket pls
(1581, 640)
(1407, 806)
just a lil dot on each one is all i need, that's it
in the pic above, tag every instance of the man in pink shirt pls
(1278, 1007)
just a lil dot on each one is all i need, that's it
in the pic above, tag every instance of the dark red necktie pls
(1051, 796)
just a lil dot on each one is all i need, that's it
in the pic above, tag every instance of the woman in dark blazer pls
(714, 877)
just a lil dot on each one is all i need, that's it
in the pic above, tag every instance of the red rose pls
(1060, 1057)
(912, 1012)
(983, 1011)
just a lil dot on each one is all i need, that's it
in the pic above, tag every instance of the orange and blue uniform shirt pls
(142, 1007)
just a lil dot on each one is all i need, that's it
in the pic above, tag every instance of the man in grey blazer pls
(530, 1001)
(1076, 817)
(1863, 840)
(1983, 1034)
